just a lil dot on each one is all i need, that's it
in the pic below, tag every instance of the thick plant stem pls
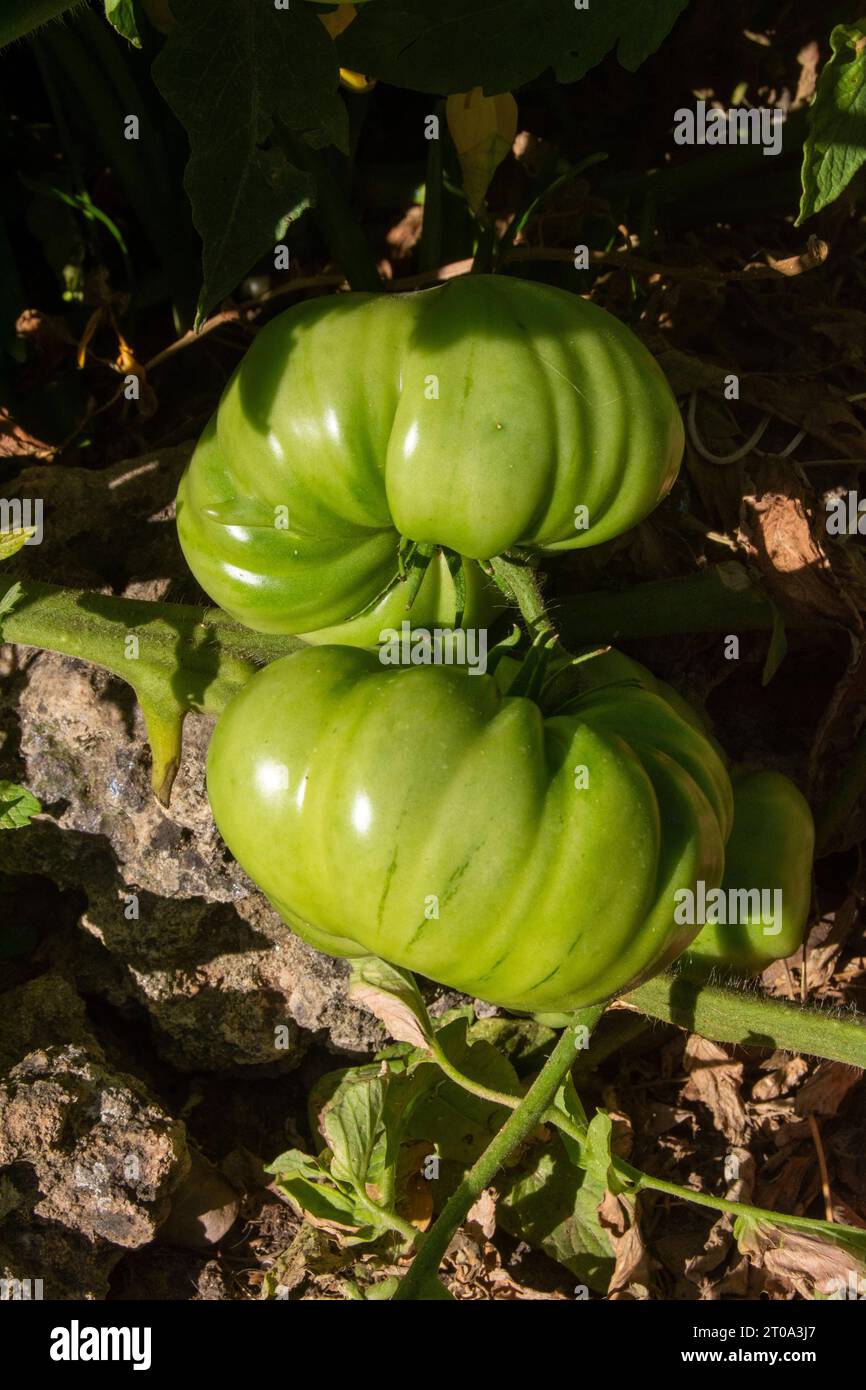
(519, 583)
(742, 1016)
(706, 602)
(176, 657)
(521, 1122)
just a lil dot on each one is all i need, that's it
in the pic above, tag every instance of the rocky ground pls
(153, 1046)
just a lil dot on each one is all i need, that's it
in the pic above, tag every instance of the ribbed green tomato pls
(421, 815)
(770, 851)
(479, 415)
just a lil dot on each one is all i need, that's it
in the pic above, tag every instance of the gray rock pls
(105, 1157)
(89, 1162)
(172, 923)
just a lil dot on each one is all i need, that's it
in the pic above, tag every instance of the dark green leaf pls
(523, 1041)
(234, 73)
(461, 44)
(554, 1206)
(20, 17)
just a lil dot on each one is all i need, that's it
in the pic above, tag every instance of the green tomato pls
(479, 415)
(770, 851)
(421, 815)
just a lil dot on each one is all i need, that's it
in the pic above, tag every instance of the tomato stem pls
(516, 577)
(522, 1121)
(176, 657)
(751, 1019)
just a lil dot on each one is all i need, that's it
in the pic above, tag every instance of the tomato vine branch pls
(521, 1122)
(175, 656)
(751, 1019)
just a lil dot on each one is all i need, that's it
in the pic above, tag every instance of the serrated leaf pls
(234, 74)
(393, 996)
(461, 44)
(18, 806)
(835, 146)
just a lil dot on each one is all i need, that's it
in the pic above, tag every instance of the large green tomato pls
(479, 415)
(424, 816)
(767, 887)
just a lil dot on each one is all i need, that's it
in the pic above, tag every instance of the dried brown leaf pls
(715, 1080)
(827, 1088)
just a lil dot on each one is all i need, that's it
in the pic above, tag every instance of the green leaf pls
(310, 1187)
(12, 541)
(379, 1292)
(458, 1122)
(597, 1155)
(355, 1132)
(234, 74)
(523, 1041)
(461, 44)
(393, 996)
(17, 806)
(123, 15)
(835, 146)
(553, 1206)
(360, 1113)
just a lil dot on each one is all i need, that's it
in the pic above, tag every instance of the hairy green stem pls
(176, 657)
(639, 1180)
(521, 1122)
(518, 581)
(705, 602)
(386, 1215)
(644, 1181)
(466, 1083)
(751, 1019)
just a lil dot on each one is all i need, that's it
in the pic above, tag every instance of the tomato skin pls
(421, 815)
(771, 847)
(477, 415)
